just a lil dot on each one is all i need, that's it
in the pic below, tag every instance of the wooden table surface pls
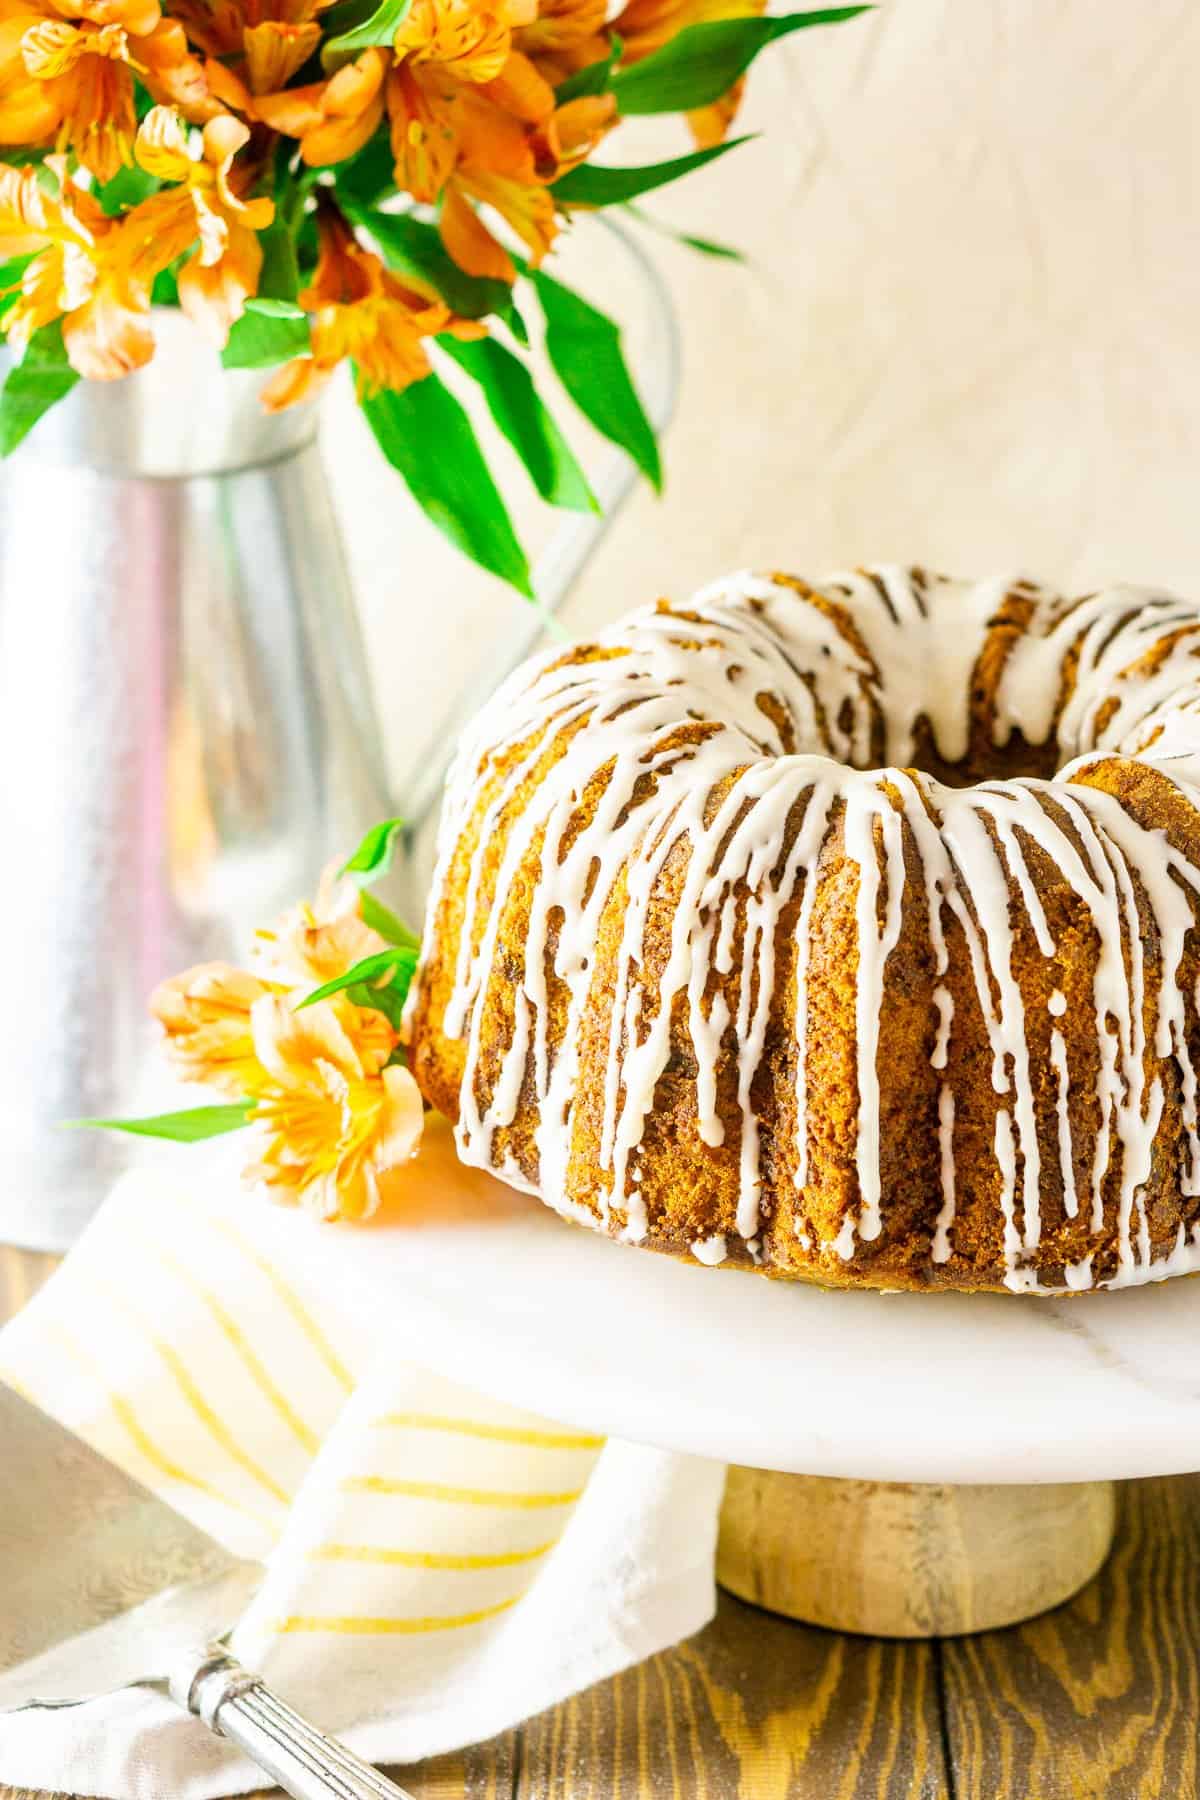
(1099, 1698)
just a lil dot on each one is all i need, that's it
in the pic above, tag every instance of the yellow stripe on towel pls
(290, 1299)
(234, 1334)
(209, 1418)
(498, 1434)
(426, 1559)
(368, 1627)
(456, 1496)
(147, 1448)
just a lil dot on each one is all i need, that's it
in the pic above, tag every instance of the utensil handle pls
(301, 1759)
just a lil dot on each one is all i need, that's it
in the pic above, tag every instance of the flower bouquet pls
(367, 181)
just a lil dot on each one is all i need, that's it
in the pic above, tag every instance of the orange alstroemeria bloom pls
(79, 274)
(205, 1015)
(646, 25)
(221, 28)
(508, 166)
(332, 119)
(469, 41)
(67, 75)
(446, 51)
(362, 311)
(320, 938)
(206, 209)
(566, 36)
(330, 1127)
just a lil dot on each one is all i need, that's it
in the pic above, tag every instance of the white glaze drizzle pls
(940, 1249)
(715, 835)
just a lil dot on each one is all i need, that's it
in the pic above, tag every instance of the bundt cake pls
(844, 932)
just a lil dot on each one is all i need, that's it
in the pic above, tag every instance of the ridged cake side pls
(711, 966)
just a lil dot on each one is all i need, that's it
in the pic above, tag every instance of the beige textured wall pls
(969, 333)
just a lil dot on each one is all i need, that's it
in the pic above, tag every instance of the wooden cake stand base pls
(896, 1559)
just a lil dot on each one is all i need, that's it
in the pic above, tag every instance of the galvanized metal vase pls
(186, 732)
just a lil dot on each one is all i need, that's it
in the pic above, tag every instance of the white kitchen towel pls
(439, 1566)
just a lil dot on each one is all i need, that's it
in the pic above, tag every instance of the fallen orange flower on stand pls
(330, 1126)
(308, 1048)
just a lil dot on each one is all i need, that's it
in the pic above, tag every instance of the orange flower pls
(78, 274)
(646, 25)
(468, 41)
(423, 106)
(66, 75)
(445, 49)
(360, 310)
(205, 1013)
(566, 35)
(507, 166)
(332, 119)
(215, 283)
(319, 939)
(221, 27)
(571, 133)
(330, 1128)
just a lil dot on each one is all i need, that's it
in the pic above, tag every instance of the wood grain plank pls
(754, 1708)
(1102, 1696)
(22, 1273)
(485, 1772)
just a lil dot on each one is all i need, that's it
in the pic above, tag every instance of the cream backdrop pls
(968, 332)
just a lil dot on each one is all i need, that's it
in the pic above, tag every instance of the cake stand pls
(903, 1464)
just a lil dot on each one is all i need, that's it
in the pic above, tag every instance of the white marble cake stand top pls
(492, 1288)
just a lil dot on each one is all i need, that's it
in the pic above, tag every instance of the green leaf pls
(260, 340)
(190, 1127)
(165, 291)
(41, 378)
(388, 1000)
(584, 346)
(517, 326)
(596, 78)
(382, 919)
(274, 309)
(706, 246)
(451, 483)
(363, 986)
(378, 27)
(279, 278)
(517, 408)
(369, 969)
(370, 862)
(593, 185)
(10, 280)
(703, 61)
(373, 857)
(413, 247)
(368, 177)
(128, 187)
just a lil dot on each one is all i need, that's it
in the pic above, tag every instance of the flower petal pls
(296, 381)
(401, 1120)
(275, 51)
(421, 106)
(469, 241)
(214, 295)
(289, 1044)
(161, 145)
(110, 336)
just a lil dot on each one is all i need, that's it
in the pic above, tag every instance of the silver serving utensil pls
(104, 1586)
